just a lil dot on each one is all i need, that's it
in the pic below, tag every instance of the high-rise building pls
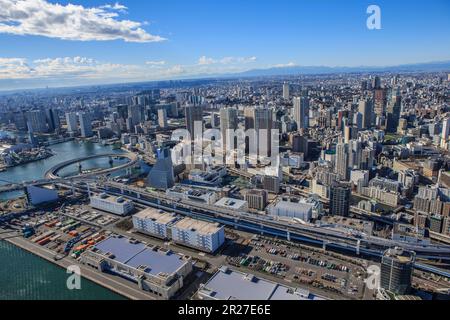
(85, 125)
(376, 83)
(256, 199)
(340, 199)
(162, 118)
(342, 160)
(286, 91)
(445, 133)
(193, 114)
(228, 121)
(396, 270)
(37, 121)
(301, 112)
(136, 114)
(261, 119)
(366, 109)
(52, 120)
(161, 176)
(72, 125)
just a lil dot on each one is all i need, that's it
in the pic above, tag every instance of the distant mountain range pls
(293, 70)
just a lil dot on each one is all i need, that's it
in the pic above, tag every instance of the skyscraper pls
(340, 200)
(342, 160)
(136, 114)
(162, 118)
(85, 125)
(286, 91)
(52, 120)
(161, 176)
(445, 133)
(301, 112)
(261, 119)
(228, 121)
(37, 121)
(396, 270)
(193, 114)
(71, 119)
(366, 109)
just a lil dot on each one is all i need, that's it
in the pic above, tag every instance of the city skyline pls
(96, 42)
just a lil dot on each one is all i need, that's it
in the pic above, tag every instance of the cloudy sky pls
(64, 43)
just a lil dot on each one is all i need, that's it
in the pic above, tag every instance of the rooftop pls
(135, 254)
(159, 216)
(228, 284)
(199, 226)
(231, 203)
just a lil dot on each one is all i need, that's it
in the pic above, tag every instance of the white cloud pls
(70, 22)
(155, 63)
(285, 65)
(203, 60)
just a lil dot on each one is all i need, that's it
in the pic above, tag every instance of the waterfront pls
(35, 278)
(62, 152)
(28, 277)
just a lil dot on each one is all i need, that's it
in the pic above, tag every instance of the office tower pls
(85, 125)
(355, 154)
(122, 111)
(271, 183)
(261, 119)
(392, 117)
(445, 133)
(366, 109)
(136, 114)
(161, 176)
(299, 143)
(228, 121)
(301, 112)
(286, 91)
(379, 101)
(37, 121)
(376, 83)
(32, 139)
(71, 119)
(396, 270)
(340, 199)
(358, 120)
(193, 114)
(364, 85)
(52, 120)
(256, 199)
(162, 118)
(20, 121)
(342, 160)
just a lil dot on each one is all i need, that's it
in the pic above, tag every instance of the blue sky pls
(182, 38)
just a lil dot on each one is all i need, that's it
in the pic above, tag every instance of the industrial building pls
(156, 270)
(396, 270)
(296, 207)
(154, 222)
(228, 284)
(112, 204)
(233, 204)
(198, 234)
(193, 194)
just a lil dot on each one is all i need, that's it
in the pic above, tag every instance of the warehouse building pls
(112, 204)
(156, 270)
(154, 222)
(296, 207)
(198, 234)
(228, 284)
